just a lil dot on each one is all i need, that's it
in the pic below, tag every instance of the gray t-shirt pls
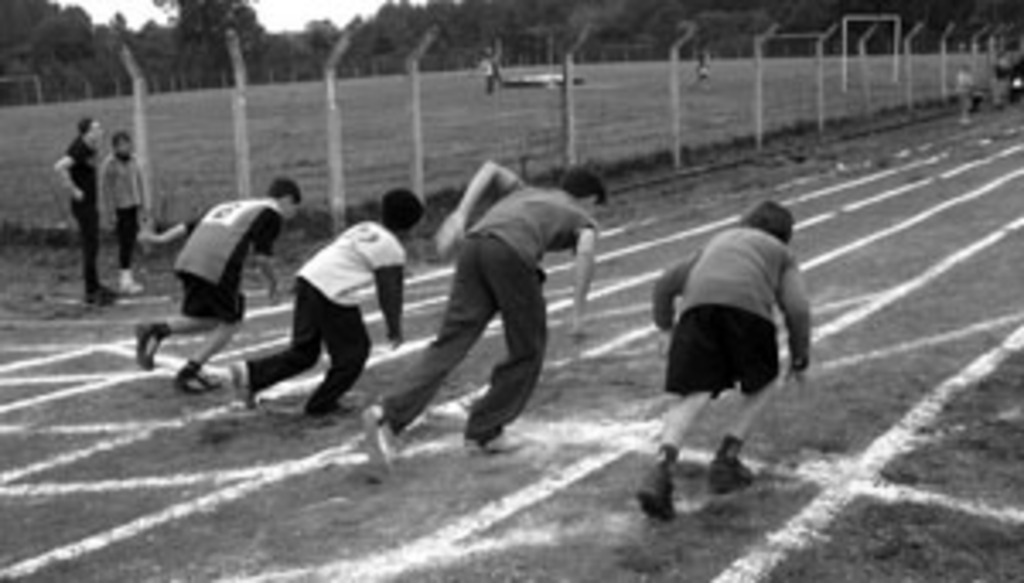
(534, 221)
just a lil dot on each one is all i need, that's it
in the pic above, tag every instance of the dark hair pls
(772, 218)
(282, 187)
(84, 124)
(121, 137)
(400, 210)
(584, 183)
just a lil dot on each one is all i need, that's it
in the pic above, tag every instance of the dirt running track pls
(900, 461)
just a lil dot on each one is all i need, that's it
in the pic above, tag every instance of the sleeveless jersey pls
(216, 249)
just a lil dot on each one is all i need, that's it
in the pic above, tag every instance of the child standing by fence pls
(121, 191)
(965, 92)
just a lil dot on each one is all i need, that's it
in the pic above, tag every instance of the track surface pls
(900, 461)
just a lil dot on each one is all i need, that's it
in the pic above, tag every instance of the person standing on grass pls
(726, 337)
(327, 310)
(210, 270)
(121, 193)
(965, 93)
(497, 270)
(77, 169)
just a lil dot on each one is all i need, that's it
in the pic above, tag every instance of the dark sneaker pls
(101, 298)
(194, 382)
(727, 476)
(379, 440)
(655, 494)
(147, 342)
(501, 445)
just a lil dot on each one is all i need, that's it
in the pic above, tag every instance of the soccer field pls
(900, 460)
(623, 112)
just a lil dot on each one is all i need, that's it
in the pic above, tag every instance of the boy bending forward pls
(726, 337)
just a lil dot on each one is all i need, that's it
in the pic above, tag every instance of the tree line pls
(78, 58)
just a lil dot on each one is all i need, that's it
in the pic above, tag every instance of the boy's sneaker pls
(729, 475)
(130, 287)
(239, 374)
(655, 494)
(193, 382)
(101, 297)
(379, 439)
(147, 342)
(503, 444)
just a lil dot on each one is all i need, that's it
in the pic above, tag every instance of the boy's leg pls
(89, 232)
(127, 234)
(308, 317)
(349, 347)
(470, 307)
(517, 289)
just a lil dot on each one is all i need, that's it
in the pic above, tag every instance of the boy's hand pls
(77, 194)
(578, 330)
(664, 342)
(798, 371)
(396, 342)
(273, 295)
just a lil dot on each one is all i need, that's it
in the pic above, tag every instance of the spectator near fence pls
(121, 194)
(77, 168)
(965, 93)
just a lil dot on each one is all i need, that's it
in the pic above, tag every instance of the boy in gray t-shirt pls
(498, 270)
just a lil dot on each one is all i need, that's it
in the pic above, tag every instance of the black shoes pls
(729, 475)
(655, 494)
(147, 342)
(101, 297)
(192, 381)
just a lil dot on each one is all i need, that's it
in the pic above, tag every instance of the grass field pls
(899, 462)
(623, 113)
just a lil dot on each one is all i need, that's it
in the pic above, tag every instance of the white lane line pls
(46, 360)
(895, 494)
(34, 381)
(406, 556)
(806, 527)
(206, 503)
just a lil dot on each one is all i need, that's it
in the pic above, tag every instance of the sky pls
(275, 15)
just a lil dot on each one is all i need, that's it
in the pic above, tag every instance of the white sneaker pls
(129, 286)
(379, 440)
(239, 374)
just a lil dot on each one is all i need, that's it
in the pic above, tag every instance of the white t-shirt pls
(347, 264)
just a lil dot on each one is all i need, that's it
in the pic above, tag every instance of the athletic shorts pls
(211, 302)
(716, 348)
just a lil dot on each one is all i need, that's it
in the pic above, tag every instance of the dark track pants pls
(490, 277)
(88, 218)
(127, 233)
(318, 321)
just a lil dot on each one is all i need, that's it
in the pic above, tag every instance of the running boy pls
(210, 270)
(726, 337)
(497, 270)
(327, 309)
(121, 192)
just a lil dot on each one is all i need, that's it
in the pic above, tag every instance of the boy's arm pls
(489, 174)
(265, 264)
(63, 169)
(179, 231)
(586, 250)
(797, 312)
(105, 200)
(669, 286)
(390, 296)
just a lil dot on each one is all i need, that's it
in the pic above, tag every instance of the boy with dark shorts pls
(497, 270)
(210, 269)
(726, 337)
(327, 308)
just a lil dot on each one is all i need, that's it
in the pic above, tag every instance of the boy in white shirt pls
(327, 308)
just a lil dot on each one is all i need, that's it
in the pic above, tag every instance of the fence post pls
(412, 66)
(976, 48)
(335, 153)
(865, 69)
(944, 59)
(243, 167)
(820, 61)
(141, 125)
(759, 42)
(908, 51)
(571, 153)
(686, 32)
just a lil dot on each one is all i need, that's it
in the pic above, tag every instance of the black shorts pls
(207, 301)
(714, 348)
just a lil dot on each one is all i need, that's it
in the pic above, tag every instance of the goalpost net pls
(852, 20)
(21, 90)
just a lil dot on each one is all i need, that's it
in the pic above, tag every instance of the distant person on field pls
(210, 269)
(77, 169)
(327, 308)
(490, 68)
(725, 338)
(1002, 79)
(704, 69)
(498, 270)
(121, 192)
(965, 93)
